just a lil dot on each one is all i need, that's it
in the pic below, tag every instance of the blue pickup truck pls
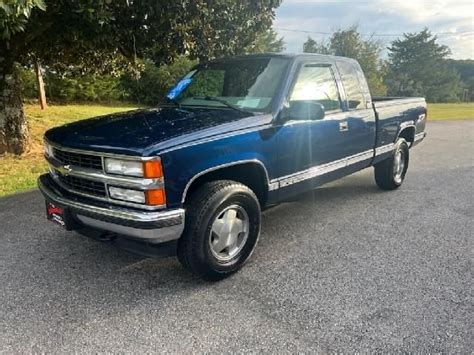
(191, 176)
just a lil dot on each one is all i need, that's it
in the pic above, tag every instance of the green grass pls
(461, 111)
(19, 173)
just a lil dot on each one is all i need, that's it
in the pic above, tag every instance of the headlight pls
(123, 167)
(48, 149)
(127, 194)
(147, 169)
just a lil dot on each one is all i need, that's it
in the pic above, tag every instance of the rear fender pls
(407, 131)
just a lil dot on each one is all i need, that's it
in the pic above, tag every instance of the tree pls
(465, 69)
(13, 128)
(418, 66)
(267, 42)
(101, 35)
(311, 46)
(349, 43)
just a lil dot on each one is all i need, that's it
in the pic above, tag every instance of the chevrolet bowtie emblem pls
(65, 170)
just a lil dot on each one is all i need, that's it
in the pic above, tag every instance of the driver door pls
(304, 142)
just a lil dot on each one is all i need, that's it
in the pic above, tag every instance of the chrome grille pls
(78, 159)
(82, 185)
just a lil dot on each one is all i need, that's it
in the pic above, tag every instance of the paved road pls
(347, 267)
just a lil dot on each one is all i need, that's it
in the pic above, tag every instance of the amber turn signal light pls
(155, 197)
(152, 169)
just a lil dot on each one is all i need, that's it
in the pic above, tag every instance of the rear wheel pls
(390, 173)
(222, 229)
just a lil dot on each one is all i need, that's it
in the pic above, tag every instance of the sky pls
(452, 20)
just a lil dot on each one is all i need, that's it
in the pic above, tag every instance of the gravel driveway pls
(345, 268)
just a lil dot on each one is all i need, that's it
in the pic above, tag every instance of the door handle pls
(343, 126)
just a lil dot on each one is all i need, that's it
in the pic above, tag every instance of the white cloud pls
(380, 17)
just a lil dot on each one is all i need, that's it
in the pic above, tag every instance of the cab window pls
(316, 83)
(354, 95)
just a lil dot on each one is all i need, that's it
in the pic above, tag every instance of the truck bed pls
(394, 114)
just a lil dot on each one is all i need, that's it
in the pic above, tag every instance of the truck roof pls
(296, 55)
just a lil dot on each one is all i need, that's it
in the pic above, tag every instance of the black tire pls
(386, 176)
(205, 206)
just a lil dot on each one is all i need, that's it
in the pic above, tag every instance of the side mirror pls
(304, 111)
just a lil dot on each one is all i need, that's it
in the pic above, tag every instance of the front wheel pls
(222, 229)
(390, 173)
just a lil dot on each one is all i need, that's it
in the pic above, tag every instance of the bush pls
(149, 88)
(28, 83)
(154, 82)
(90, 88)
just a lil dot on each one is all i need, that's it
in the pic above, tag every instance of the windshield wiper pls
(224, 102)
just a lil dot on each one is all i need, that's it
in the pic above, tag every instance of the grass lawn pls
(20, 173)
(461, 111)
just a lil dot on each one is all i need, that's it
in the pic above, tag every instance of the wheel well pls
(408, 133)
(253, 175)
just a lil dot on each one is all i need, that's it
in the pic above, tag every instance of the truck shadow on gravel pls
(83, 277)
(64, 263)
(276, 225)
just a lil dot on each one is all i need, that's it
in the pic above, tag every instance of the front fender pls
(183, 166)
(223, 166)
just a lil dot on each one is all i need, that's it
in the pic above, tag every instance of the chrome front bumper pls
(149, 226)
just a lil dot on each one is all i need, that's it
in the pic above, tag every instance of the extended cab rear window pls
(352, 87)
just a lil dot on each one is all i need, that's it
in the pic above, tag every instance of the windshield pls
(248, 84)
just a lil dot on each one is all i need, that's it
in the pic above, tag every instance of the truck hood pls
(146, 132)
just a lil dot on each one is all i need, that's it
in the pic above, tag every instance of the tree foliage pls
(418, 66)
(267, 42)
(349, 43)
(14, 15)
(311, 46)
(465, 69)
(72, 88)
(101, 36)
(92, 32)
(146, 87)
(154, 82)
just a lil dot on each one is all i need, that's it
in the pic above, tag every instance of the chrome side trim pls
(324, 168)
(100, 154)
(239, 162)
(96, 175)
(130, 215)
(273, 185)
(384, 149)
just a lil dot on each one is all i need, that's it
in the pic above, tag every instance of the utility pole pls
(40, 82)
